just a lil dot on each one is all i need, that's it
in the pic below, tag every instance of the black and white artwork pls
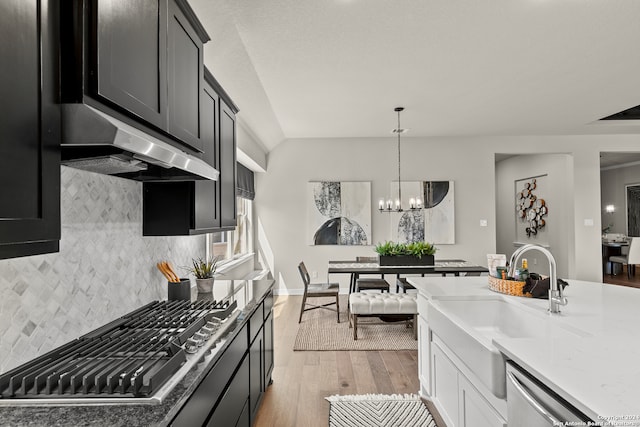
(633, 210)
(435, 223)
(339, 213)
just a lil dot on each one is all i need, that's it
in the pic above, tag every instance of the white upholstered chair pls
(631, 259)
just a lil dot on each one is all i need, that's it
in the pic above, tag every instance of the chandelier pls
(415, 203)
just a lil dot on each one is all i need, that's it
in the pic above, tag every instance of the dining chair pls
(317, 290)
(631, 259)
(371, 283)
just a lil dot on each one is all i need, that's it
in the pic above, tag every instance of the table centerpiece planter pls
(408, 260)
(405, 254)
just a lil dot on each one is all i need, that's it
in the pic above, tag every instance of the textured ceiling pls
(337, 68)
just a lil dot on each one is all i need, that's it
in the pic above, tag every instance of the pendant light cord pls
(399, 181)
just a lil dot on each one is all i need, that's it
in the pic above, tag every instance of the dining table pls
(443, 267)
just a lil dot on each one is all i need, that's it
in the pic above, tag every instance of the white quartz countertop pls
(598, 373)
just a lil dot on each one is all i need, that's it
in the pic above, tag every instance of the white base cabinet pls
(424, 348)
(445, 386)
(474, 410)
(424, 357)
(457, 400)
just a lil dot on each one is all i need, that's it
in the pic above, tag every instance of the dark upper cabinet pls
(196, 207)
(140, 61)
(207, 193)
(227, 166)
(185, 77)
(130, 57)
(189, 207)
(29, 128)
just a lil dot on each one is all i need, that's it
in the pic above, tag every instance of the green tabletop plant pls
(415, 249)
(204, 269)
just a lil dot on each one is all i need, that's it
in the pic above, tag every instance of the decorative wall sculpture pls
(339, 213)
(435, 223)
(530, 208)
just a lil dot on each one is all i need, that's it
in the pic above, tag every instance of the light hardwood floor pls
(302, 379)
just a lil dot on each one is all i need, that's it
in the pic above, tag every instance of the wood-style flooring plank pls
(302, 379)
(401, 382)
(381, 376)
(362, 374)
(346, 378)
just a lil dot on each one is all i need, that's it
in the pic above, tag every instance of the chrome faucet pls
(556, 298)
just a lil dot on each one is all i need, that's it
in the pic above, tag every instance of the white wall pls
(557, 191)
(281, 196)
(250, 152)
(469, 161)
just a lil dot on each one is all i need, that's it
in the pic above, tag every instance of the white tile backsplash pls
(105, 268)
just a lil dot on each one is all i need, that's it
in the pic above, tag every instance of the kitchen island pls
(588, 354)
(228, 370)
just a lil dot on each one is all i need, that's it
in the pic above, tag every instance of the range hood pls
(95, 141)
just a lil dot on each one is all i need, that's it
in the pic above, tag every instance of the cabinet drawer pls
(231, 409)
(198, 407)
(255, 323)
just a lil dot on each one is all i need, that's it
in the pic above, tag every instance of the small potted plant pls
(204, 270)
(414, 253)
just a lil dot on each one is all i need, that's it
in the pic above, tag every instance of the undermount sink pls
(468, 326)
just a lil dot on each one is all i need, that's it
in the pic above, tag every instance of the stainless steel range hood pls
(95, 141)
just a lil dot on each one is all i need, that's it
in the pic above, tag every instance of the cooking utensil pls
(169, 274)
(171, 270)
(161, 268)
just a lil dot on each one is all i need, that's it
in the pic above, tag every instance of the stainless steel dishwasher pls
(532, 404)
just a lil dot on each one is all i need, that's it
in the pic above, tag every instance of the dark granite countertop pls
(248, 294)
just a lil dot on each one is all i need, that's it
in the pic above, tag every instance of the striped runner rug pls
(379, 410)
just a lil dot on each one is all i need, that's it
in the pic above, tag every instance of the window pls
(233, 244)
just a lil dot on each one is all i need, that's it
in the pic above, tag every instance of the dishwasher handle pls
(530, 399)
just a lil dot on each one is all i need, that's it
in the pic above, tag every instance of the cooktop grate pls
(132, 356)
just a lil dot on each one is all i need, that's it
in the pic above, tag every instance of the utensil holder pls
(180, 291)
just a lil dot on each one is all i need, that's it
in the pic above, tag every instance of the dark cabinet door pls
(207, 204)
(29, 129)
(256, 374)
(231, 411)
(185, 78)
(130, 56)
(227, 166)
(268, 350)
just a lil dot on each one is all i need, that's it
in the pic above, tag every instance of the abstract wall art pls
(435, 223)
(339, 213)
(633, 210)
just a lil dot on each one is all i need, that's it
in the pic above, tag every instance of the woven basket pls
(509, 287)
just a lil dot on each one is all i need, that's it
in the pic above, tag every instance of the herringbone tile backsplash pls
(105, 268)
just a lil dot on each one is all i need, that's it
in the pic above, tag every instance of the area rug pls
(379, 410)
(319, 331)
